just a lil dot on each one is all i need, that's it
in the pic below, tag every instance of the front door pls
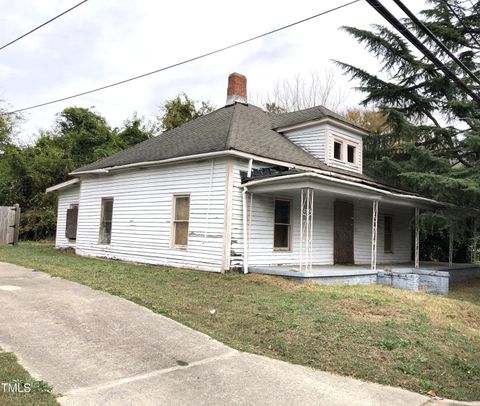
(343, 233)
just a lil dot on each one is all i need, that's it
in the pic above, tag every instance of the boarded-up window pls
(337, 150)
(351, 154)
(72, 219)
(105, 235)
(388, 231)
(281, 233)
(181, 220)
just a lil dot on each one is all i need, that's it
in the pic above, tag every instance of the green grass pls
(411, 340)
(12, 372)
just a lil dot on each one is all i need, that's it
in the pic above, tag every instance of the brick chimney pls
(237, 88)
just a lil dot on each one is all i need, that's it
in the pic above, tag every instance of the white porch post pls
(450, 246)
(417, 238)
(306, 229)
(245, 230)
(474, 243)
(374, 235)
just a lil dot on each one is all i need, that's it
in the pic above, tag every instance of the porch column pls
(450, 246)
(474, 242)
(417, 238)
(245, 219)
(374, 235)
(306, 229)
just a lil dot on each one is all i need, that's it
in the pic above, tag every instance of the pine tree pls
(433, 127)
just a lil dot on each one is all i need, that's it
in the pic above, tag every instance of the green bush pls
(38, 224)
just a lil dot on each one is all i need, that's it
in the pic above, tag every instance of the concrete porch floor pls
(345, 271)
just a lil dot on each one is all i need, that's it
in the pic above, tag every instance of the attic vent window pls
(351, 154)
(337, 150)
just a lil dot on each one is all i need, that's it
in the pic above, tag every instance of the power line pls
(42, 25)
(196, 58)
(422, 48)
(469, 30)
(440, 44)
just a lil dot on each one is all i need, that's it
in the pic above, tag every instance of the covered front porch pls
(339, 233)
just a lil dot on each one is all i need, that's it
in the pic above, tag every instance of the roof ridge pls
(228, 144)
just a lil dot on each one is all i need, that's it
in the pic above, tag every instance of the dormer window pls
(337, 150)
(351, 154)
(345, 151)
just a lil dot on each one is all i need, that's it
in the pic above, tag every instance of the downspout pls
(245, 220)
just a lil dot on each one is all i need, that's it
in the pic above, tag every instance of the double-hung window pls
(105, 233)
(181, 218)
(388, 234)
(282, 226)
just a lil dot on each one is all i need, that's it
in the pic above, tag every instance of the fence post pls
(17, 224)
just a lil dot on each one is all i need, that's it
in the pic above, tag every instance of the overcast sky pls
(104, 41)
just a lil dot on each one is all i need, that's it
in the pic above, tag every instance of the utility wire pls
(469, 29)
(196, 58)
(440, 44)
(422, 48)
(42, 25)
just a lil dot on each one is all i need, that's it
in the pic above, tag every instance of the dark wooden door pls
(343, 233)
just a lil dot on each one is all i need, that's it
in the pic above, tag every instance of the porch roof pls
(330, 182)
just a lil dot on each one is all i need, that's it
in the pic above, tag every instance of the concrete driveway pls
(98, 349)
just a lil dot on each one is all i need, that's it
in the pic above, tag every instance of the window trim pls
(289, 248)
(102, 213)
(344, 151)
(72, 206)
(354, 162)
(338, 141)
(385, 251)
(174, 222)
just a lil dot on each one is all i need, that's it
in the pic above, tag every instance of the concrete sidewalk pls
(98, 349)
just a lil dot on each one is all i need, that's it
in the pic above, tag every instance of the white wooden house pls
(240, 188)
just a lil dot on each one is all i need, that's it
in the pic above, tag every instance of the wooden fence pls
(9, 224)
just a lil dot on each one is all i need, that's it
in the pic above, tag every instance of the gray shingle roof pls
(239, 127)
(310, 114)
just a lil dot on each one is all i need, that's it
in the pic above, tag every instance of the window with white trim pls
(105, 233)
(282, 225)
(388, 234)
(337, 150)
(181, 219)
(351, 153)
(345, 151)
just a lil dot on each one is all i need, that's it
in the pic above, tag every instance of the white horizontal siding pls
(311, 139)
(261, 231)
(401, 233)
(239, 165)
(66, 198)
(142, 214)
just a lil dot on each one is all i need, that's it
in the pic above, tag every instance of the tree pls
(135, 130)
(375, 143)
(180, 110)
(302, 92)
(432, 126)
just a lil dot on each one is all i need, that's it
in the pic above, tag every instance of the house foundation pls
(428, 277)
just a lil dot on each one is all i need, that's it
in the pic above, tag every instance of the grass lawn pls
(11, 372)
(412, 340)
